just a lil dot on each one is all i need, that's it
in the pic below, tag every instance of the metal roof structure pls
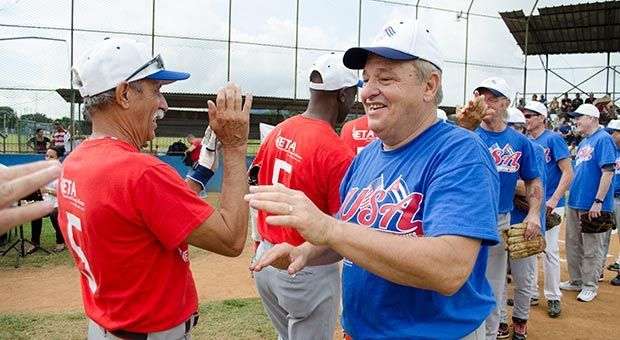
(581, 28)
(199, 101)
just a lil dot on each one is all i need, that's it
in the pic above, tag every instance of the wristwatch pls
(596, 200)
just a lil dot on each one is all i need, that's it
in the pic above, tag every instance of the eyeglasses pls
(158, 61)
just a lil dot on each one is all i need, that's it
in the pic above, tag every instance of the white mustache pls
(159, 114)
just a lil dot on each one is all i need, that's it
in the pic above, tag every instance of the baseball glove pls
(516, 244)
(470, 116)
(599, 224)
(521, 203)
(253, 175)
(552, 220)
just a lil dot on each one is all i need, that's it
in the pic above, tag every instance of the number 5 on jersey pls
(74, 222)
(287, 172)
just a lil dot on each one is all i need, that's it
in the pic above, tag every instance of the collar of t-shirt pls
(398, 150)
(109, 139)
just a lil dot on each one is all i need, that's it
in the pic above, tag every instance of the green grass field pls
(228, 319)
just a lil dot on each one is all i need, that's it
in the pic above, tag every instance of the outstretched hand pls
(17, 182)
(228, 118)
(283, 256)
(293, 209)
(470, 116)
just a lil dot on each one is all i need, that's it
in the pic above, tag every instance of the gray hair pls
(423, 70)
(103, 99)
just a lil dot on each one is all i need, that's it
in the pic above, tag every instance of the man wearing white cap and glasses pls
(516, 119)
(559, 174)
(590, 194)
(614, 128)
(514, 158)
(399, 226)
(305, 153)
(128, 216)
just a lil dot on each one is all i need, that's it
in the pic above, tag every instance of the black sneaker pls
(504, 331)
(554, 308)
(614, 267)
(615, 281)
(519, 329)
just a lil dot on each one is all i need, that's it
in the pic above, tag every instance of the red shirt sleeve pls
(169, 208)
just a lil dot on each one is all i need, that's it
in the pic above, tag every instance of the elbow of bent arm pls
(452, 285)
(236, 249)
(237, 240)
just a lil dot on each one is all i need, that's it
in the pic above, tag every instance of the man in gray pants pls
(589, 194)
(305, 153)
(515, 157)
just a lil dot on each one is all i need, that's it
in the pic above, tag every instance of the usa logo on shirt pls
(584, 154)
(506, 159)
(390, 208)
(617, 166)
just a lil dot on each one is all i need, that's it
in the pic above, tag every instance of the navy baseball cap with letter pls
(400, 39)
(116, 60)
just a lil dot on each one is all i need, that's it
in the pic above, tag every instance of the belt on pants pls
(123, 334)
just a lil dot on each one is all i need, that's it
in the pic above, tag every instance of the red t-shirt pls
(356, 134)
(195, 154)
(126, 216)
(303, 154)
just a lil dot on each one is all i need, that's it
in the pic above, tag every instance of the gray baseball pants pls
(301, 306)
(584, 252)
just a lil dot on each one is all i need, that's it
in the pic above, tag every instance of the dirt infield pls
(56, 289)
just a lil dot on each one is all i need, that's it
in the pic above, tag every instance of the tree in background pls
(9, 118)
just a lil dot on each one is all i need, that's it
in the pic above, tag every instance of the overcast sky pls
(263, 70)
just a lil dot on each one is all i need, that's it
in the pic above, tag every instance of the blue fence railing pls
(215, 184)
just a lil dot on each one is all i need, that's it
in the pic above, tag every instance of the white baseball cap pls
(586, 110)
(536, 107)
(441, 114)
(400, 39)
(335, 76)
(116, 60)
(496, 85)
(515, 116)
(614, 125)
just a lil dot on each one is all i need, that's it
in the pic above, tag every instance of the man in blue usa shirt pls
(590, 193)
(419, 205)
(514, 158)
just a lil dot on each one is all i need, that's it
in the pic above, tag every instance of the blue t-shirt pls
(516, 215)
(514, 158)
(556, 149)
(594, 152)
(617, 173)
(443, 182)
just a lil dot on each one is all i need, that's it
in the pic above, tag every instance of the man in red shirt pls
(305, 153)
(58, 137)
(194, 148)
(356, 134)
(128, 217)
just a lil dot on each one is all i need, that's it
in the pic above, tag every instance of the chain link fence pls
(265, 46)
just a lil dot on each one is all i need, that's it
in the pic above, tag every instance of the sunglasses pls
(158, 61)
(530, 115)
